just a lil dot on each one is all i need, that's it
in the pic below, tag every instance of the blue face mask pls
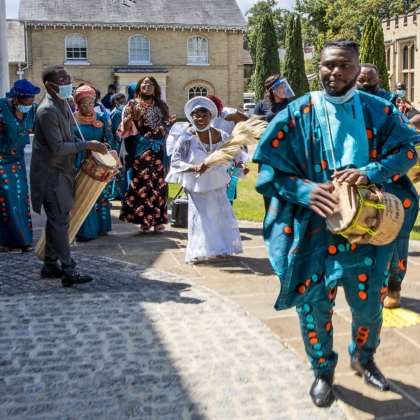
(64, 91)
(24, 109)
(121, 107)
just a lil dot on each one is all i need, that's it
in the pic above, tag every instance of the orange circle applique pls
(302, 289)
(287, 230)
(362, 277)
(369, 134)
(387, 109)
(373, 153)
(353, 247)
(395, 177)
(291, 123)
(402, 264)
(324, 164)
(332, 249)
(314, 340)
(406, 203)
(308, 282)
(306, 110)
(275, 143)
(362, 295)
(321, 360)
(328, 326)
(410, 155)
(280, 135)
(311, 334)
(395, 151)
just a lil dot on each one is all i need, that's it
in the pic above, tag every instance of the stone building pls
(191, 47)
(403, 60)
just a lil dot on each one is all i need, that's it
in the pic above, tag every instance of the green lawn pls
(249, 205)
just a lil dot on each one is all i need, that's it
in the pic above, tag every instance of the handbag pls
(127, 151)
(179, 216)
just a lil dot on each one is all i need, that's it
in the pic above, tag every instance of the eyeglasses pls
(68, 80)
(91, 105)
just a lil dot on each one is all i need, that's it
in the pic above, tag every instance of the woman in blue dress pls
(17, 115)
(93, 126)
(117, 186)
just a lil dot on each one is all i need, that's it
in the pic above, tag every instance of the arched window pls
(76, 48)
(405, 58)
(197, 91)
(197, 51)
(139, 49)
(388, 59)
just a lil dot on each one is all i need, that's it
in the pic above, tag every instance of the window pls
(411, 87)
(139, 49)
(412, 52)
(405, 58)
(76, 48)
(197, 50)
(388, 59)
(388, 24)
(405, 20)
(197, 91)
(396, 22)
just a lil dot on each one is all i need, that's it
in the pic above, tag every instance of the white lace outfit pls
(212, 226)
(220, 122)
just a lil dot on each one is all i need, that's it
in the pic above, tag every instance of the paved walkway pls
(154, 338)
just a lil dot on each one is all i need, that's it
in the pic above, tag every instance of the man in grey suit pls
(52, 173)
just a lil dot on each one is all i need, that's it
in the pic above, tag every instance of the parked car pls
(249, 109)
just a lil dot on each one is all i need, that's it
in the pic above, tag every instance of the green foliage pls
(372, 49)
(267, 57)
(294, 63)
(255, 14)
(315, 85)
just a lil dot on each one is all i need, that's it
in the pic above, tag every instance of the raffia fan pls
(244, 134)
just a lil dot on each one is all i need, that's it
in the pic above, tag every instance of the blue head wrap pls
(131, 90)
(24, 89)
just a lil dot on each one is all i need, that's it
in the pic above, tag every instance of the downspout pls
(26, 54)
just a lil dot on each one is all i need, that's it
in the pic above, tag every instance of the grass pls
(249, 205)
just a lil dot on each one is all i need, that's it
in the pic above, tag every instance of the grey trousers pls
(57, 246)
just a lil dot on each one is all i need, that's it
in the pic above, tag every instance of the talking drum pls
(96, 171)
(365, 215)
(414, 172)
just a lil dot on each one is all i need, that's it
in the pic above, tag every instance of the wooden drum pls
(96, 171)
(365, 215)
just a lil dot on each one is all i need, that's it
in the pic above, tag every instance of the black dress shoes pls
(371, 374)
(321, 390)
(47, 273)
(76, 278)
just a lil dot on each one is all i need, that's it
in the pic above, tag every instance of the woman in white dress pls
(212, 226)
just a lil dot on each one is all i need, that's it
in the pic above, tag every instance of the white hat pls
(200, 102)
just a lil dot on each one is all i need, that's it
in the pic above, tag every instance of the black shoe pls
(371, 374)
(321, 390)
(76, 278)
(47, 273)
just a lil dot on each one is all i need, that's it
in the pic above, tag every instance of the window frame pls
(197, 63)
(76, 61)
(134, 62)
(197, 87)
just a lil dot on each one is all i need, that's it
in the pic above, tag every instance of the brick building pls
(403, 60)
(190, 47)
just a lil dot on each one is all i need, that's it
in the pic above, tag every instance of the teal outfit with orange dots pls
(310, 261)
(99, 218)
(15, 211)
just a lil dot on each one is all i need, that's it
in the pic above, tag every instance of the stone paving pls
(138, 343)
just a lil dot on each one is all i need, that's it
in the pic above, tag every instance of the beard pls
(330, 91)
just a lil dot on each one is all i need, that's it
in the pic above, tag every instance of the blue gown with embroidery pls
(15, 216)
(117, 185)
(293, 155)
(99, 218)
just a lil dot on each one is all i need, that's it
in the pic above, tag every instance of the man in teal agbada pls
(367, 144)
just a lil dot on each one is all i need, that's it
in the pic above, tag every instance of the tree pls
(372, 49)
(294, 63)
(255, 13)
(267, 56)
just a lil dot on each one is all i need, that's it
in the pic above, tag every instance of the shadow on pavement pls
(380, 408)
(411, 304)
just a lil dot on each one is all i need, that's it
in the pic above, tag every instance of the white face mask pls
(401, 93)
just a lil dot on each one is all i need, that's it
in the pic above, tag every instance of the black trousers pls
(57, 248)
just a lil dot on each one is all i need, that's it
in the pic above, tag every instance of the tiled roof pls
(247, 57)
(15, 41)
(170, 13)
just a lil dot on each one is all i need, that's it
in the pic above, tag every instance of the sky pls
(12, 6)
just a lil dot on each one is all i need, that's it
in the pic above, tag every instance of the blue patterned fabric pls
(301, 250)
(15, 215)
(117, 185)
(99, 218)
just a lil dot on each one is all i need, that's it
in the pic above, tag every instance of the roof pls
(15, 41)
(222, 14)
(247, 58)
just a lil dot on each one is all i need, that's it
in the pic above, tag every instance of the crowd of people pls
(352, 131)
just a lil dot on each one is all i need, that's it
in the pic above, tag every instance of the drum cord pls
(329, 134)
(77, 125)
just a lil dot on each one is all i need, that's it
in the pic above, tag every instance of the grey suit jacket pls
(53, 151)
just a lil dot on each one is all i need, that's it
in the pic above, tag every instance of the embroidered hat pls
(24, 89)
(84, 92)
(200, 102)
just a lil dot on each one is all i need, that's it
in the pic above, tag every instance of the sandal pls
(159, 229)
(27, 248)
(103, 233)
(145, 229)
(14, 250)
